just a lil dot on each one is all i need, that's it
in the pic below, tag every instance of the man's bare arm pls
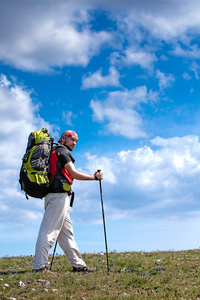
(80, 175)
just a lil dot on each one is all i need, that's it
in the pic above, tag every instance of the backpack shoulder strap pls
(57, 145)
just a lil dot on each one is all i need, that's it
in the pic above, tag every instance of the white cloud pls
(17, 119)
(161, 182)
(101, 163)
(57, 37)
(97, 80)
(167, 21)
(195, 68)
(139, 57)
(182, 153)
(186, 76)
(67, 117)
(119, 111)
(165, 81)
(124, 122)
(192, 51)
(157, 181)
(45, 35)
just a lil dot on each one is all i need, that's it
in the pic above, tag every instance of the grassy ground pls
(133, 275)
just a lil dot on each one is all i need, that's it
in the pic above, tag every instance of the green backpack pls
(34, 173)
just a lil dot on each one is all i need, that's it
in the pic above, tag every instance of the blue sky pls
(125, 77)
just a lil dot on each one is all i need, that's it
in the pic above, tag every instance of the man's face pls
(70, 142)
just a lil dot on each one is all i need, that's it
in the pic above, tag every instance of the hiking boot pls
(84, 269)
(43, 270)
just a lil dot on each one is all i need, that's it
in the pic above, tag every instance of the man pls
(56, 223)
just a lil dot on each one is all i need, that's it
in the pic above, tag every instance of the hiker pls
(56, 223)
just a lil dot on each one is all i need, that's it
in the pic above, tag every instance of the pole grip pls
(99, 170)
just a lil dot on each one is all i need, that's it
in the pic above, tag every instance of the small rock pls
(124, 269)
(21, 284)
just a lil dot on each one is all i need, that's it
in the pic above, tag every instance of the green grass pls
(133, 275)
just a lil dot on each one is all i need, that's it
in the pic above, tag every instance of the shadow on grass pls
(13, 272)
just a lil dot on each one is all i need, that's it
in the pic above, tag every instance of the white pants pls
(56, 225)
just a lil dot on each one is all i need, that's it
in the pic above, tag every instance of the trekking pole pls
(103, 221)
(53, 254)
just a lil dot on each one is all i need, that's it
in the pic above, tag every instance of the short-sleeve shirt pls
(59, 157)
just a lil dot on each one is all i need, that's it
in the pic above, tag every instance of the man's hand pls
(98, 175)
